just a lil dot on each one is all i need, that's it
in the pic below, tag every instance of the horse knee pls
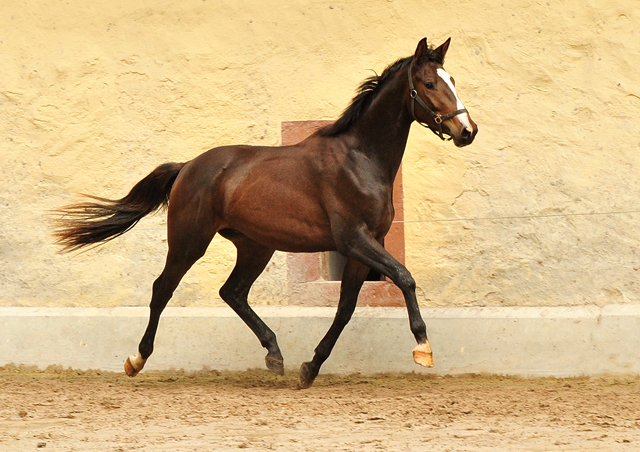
(406, 281)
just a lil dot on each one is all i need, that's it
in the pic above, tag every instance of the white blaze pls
(462, 117)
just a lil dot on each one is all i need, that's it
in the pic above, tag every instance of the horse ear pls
(421, 51)
(442, 50)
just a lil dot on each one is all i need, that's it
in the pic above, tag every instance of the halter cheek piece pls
(437, 117)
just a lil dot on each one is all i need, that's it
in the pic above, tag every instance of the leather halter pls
(437, 117)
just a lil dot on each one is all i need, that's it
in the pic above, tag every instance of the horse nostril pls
(466, 133)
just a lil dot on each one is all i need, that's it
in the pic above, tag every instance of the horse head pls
(433, 89)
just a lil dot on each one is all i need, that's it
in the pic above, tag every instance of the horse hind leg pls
(353, 277)
(184, 250)
(163, 289)
(251, 262)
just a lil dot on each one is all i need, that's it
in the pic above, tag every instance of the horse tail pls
(90, 223)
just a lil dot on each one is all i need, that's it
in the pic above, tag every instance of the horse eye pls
(430, 85)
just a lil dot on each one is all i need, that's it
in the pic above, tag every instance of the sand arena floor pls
(64, 410)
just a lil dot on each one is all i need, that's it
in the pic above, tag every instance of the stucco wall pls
(94, 95)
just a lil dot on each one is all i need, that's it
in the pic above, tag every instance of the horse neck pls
(383, 129)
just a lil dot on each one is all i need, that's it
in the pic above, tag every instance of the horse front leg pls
(366, 249)
(353, 277)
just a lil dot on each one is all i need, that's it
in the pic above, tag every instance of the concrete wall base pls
(529, 342)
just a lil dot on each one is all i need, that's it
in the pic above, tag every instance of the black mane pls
(367, 92)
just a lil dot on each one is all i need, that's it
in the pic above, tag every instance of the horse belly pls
(294, 237)
(286, 233)
(291, 221)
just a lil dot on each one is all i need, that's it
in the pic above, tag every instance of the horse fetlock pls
(423, 355)
(419, 329)
(134, 365)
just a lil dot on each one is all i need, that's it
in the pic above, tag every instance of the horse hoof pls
(134, 365)
(128, 368)
(275, 365)
(306, 376)
(423, 355)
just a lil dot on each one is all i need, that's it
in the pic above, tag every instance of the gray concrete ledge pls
(560, 341)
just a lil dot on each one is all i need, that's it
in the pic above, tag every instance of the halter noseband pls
(437, 117)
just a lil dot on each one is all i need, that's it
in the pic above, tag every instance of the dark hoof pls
(307, 375)
(275, 365)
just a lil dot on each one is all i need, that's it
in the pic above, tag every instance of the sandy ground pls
(89, 411)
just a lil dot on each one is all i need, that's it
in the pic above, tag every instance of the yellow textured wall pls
(95, 94)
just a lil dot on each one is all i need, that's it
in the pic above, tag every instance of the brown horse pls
(332, 191)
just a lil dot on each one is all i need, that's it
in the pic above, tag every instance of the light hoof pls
(275, 365)
(423, 355)
(134, 365)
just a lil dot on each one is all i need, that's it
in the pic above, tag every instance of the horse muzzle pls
(466, 135)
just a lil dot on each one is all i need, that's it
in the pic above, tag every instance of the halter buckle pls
(413, 93)
(438, 119)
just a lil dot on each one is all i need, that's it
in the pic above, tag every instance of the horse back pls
(273, 195)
